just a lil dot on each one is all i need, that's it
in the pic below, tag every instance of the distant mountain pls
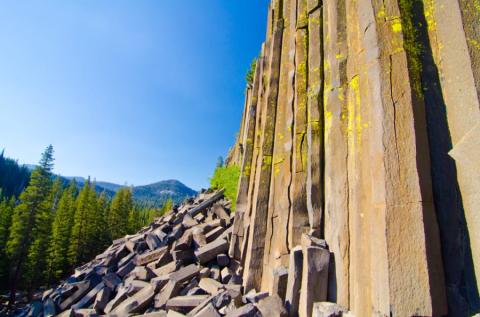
(104, 185)
(153, 195)
(81, 180)
(157, 193)
(110, 186)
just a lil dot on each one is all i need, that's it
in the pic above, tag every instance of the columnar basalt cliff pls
(359, 185)
(361, 133)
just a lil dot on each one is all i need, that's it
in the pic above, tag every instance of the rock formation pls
(177, 266)
(361, 129)
(359, 183)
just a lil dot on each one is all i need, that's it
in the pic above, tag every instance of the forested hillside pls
(50, 228)
(14, 178)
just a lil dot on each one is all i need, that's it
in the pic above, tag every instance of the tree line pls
(13, 177)
(52, 228)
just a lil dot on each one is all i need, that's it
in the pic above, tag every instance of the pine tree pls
(61, 233)
(29, 230)
(101, 223)
(56, 194)
(167, 206)
(136, 218)
(92, 224)
(6, 213)
(78, 252)
(119, 213)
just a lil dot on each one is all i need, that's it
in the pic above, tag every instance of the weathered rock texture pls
(362, 128)
(184, 272)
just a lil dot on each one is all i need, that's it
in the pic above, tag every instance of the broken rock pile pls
(176, 266)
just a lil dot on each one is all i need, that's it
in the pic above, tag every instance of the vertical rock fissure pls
(394, 104)
(257, 235)
(321, 100)
(385, 85)
(292, 54)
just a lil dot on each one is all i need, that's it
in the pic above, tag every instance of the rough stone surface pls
(211, 250)
(245, 311)
(207, 311)
(326, 309)
(150, 273)
(314, 278)
(101, 301)
(272, 306)
(369, 144)
(185, 303)
(294, 281)
(280, 279)
(360, 129)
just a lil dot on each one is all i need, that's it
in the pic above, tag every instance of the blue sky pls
(126, 91)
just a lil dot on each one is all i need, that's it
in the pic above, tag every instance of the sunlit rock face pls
(361, 132)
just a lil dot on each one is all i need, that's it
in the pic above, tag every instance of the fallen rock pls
(210, 250)
(138, 303)
(172, 313)
(272, 306)
(245, 311)
(210, 286)
(185, 303)
(87, 299)
(207, 311)
(150, 256)
(102, 299)
(178, 263)
(254, 297)
(223, 260)
(326, 309)
(48, 308)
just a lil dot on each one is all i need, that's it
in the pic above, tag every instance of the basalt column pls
(336, 151)
(276, 252)
(363, 131)
(390, 197)
(298, 223)
(454, 122)
(255, 245)
(246, 160)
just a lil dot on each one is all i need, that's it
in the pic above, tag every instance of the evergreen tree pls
(133, 220)
(145, 218)
(56, 194)
(92, 224)
(13, 177)
(158, 212)
(61, 233)
(119, 213)
(6, 213)
(167, 206)
(78, 252)
(30, 226)
(101, 223)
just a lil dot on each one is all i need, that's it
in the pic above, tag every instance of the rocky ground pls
(176, 266)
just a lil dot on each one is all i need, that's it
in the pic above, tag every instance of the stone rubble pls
(179, 266)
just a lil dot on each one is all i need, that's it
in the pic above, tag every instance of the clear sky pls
(130, 91)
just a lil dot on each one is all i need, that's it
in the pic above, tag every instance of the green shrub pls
(251, 72)
(226, 177)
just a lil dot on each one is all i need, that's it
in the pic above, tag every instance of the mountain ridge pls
(151, 195)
